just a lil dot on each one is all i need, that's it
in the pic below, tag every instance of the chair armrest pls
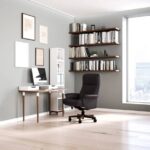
(72, 95)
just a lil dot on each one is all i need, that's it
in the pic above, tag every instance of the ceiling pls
(84, 8)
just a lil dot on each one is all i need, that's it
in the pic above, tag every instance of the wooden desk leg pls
(37, 104)
(49, 103)
(23, 105)
(63, 104)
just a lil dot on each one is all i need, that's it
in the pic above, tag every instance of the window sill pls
(137, 103)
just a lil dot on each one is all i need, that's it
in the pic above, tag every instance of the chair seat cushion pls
(73, 102)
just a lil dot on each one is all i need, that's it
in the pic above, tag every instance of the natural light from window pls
(139, 59)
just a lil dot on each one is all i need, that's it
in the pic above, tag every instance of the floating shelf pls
(97, 30)
(93, 71)
(94, 58)
(98, 44)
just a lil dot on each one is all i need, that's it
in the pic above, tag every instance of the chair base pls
(82, 116)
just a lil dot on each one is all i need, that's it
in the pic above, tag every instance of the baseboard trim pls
(14, 120)
(124, 111)
(19, 119)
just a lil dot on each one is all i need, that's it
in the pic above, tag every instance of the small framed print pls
(43, 34)
(39, 56)
(28, 27)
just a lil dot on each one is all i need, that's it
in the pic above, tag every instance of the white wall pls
(10, 31)
(111, 83)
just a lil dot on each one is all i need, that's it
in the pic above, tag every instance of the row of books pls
(110, 37)
(93, 65)
(76, 52)
(99, 37)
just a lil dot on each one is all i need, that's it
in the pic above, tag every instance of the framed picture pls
(21, 54)
(43, 34)
(39, 56)
(28, 27)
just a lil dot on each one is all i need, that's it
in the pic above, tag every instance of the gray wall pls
(10, 31)
(111, 83)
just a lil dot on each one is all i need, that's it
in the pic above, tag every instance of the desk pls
(37, 92)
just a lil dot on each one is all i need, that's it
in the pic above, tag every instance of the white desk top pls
(43, 88)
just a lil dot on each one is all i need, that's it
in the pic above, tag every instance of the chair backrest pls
(90, 84)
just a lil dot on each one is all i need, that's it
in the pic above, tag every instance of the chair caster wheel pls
(80, 121)
(95, 120)
(69, 119)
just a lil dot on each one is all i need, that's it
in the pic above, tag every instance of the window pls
(138, 59)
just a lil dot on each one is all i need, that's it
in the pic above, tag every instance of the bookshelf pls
(79, 55)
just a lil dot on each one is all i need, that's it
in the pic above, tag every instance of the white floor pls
(113, 131)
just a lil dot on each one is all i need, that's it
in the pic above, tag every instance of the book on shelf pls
(110, 37)
(91, 38)
(77, 52)
(93, 65)
(115, 36)
(104, 37)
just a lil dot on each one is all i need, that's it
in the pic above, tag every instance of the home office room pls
(74, 75)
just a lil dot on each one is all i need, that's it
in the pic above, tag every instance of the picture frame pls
(43, 34)
(28, 27)
(39, 56)
(21, 54)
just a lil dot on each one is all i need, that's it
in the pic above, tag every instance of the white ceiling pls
(84, 8)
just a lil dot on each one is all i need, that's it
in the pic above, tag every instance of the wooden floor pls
(113, 131)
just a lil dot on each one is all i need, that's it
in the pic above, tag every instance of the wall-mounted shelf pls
(98, 44)
(93, 71)
(97, 30)
(94, 58)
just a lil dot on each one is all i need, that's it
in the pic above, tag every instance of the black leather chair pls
(86, 99)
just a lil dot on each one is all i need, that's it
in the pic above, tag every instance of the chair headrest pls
(91, 79)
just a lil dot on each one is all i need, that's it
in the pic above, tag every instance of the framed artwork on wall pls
(43, 33)
(21, 54)
(28, 27)
(39, 56)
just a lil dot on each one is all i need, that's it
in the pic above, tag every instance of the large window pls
(138, 59)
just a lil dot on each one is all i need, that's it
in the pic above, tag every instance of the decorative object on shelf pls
(43, 34)
(28, 27)
(39, 56)
(93, 27)
(74, 27)
(94, 55)
(88, 52)
(105, 53)
(83, 27)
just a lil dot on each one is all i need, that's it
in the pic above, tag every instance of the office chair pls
(86, 99)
